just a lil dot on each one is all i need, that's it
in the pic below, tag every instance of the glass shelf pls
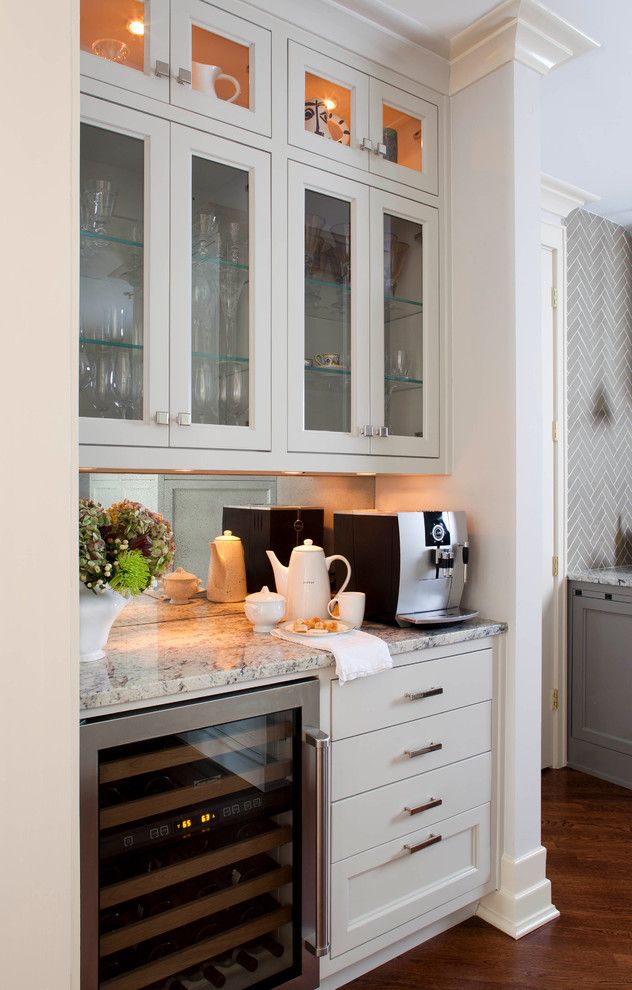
(111, 343)
(226, 358)
(395, 307)
(109, 239)
(219, 262)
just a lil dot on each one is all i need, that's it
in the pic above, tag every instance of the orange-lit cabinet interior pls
(188, 53)
(346, 115)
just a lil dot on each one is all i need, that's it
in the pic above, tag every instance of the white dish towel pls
(357, 653)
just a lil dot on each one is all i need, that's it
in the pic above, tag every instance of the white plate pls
(342, 628)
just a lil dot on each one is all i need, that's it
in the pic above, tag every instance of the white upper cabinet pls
(126, 43)
(220, 65)
(328, 107)
(189, 53)
(220, 293)
(123, 291)
(328, 307)
(404, 130)
(363, 354)
(339, 112)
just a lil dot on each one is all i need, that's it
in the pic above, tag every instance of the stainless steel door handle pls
(423, 845)
(162, 418)
(184, 77)
(418, 695)
(432, 803)
(162, 69)
(321, 743)
(184, 419)
(430, 748)
(367, 144)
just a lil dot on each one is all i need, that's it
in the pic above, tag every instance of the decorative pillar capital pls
(517, 30)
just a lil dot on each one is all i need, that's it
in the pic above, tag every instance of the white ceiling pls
(586, 105)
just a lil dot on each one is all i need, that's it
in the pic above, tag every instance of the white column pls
(39, 726)
(497, 408)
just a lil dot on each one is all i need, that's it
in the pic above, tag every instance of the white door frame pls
(558, 199)
(553, 238)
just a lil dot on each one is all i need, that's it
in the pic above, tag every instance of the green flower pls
(131, 574)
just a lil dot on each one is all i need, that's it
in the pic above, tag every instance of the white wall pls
(38, 576)
(497, 407)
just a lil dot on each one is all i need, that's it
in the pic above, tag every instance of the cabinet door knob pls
(367, 144)
(184, 419)
(368, 431)
(184, 77)
(162, 418)
(382, 432)
(381, 150)
(162, 69)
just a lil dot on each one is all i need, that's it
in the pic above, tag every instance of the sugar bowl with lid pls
(264, 609)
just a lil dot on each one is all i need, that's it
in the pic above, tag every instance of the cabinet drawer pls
(376, 758)
(374, 703)
(378, 890)
(367, 820)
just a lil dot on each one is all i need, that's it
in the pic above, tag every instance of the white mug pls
(205, 76)
(350, 607)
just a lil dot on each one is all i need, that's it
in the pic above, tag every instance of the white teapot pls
(226, 569)
(305, 582)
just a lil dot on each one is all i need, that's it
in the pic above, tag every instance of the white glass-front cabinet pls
(174, 285)
(124, 290)
(341, 113)
(220, 293)
(361, 378)
(188, 52)
(220, 65)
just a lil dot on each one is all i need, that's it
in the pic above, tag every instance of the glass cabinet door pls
(126, 43)
(123, 184)
(404, 132)
(328, 315)
(221, 65)
(220, 313)
(328, 110)
(405, 331)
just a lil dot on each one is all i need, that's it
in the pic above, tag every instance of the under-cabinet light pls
(136, 27)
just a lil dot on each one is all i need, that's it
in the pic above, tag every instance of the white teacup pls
(350, 607)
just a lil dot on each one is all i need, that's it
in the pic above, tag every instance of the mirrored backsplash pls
(194, 504)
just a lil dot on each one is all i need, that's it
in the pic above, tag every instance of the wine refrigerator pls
(204, 844)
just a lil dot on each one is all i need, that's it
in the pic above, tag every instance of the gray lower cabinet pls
(600, 671)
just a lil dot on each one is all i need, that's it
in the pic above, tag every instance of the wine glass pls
(233, 277)
(97, 204)
(341, 233)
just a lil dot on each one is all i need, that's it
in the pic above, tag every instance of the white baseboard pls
(523, 902)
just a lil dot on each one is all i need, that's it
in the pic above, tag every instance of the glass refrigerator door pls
(199, 855)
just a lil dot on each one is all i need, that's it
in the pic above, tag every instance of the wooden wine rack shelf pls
(193, 911)
(188, 869)
(180, 961)
(157, 804)
(177, 756)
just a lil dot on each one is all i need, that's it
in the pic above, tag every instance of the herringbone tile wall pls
(599, 392)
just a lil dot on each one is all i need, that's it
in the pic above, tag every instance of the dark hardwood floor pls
(587, 830)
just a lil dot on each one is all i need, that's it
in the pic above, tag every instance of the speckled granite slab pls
(616, 577)
(159, 651)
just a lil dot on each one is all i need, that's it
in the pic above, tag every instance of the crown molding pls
(559, 198)
(518, 30)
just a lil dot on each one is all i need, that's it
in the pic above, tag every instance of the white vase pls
(97, 613)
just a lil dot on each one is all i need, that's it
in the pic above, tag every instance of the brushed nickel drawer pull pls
(430, 748)
(432, 803)
(423, 845)
(417, 695)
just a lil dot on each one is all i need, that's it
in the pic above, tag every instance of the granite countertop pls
(162, 651)
(614, 577)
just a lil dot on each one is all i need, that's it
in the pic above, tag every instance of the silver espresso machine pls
(412, 566)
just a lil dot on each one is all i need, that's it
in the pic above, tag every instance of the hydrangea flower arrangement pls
(126, 546)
